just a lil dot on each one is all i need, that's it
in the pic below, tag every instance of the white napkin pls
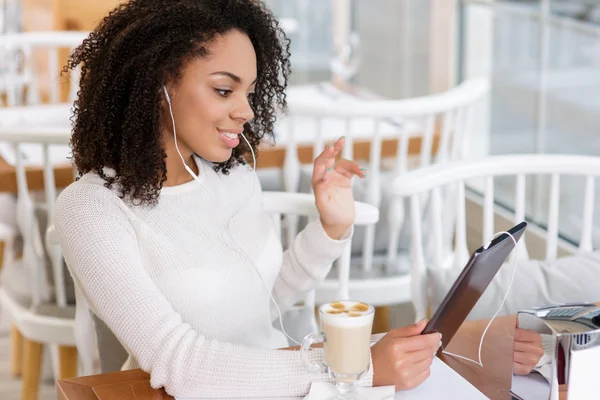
(326, 390)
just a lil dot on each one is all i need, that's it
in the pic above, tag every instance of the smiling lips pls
(230, 137)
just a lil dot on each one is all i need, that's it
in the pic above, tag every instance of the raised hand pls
(333, 194)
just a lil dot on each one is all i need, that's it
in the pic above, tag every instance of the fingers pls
(331, 151)
(526, 358)
(529, 348)
(323, 164)
(349, 168)
(408, 331)
(423, 365)
(520, 369)
(528, 354)
(420, 355)
(528, 351)
(525, 335)
(430, 342)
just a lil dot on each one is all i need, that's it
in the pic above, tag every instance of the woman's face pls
(210, 104)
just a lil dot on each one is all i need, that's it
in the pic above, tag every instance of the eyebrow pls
(234, 77)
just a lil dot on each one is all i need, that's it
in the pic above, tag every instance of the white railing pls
(517, 9)
(530, 53)
(526, 35)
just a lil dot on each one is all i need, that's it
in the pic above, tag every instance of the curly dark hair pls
(137, 48)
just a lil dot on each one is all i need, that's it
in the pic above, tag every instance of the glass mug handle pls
(309, 340)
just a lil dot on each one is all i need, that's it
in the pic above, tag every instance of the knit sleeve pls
(99, 243)
(307, 262)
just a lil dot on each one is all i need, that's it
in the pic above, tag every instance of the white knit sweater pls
(177, 283)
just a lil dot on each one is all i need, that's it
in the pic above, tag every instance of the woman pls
(164, 229)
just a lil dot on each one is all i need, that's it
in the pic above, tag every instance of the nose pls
(242, 110)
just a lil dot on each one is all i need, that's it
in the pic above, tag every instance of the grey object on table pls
(570, 340)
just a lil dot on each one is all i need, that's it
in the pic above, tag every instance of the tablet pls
(470, 285)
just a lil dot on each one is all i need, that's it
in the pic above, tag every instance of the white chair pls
(10, 16)
(298, 321)
(24, 59)
(434, 179)
(40, 312)
(379, 279)
(315, 121)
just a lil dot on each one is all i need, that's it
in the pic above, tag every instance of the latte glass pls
(346, 336)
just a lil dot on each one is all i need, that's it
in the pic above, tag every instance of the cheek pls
(213, 112)
(205, 111)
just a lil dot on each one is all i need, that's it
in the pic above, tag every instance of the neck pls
(176, 172)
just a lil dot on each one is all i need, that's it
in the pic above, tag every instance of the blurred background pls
(541, 59)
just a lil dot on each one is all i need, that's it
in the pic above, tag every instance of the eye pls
(250, 96)
(223, 92)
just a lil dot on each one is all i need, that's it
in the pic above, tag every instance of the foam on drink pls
(347, 314)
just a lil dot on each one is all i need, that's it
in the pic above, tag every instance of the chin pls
(220, 156)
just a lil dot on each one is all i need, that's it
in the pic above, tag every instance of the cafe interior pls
(470, 117)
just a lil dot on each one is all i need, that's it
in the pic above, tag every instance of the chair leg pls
(68, 362)
(381, 322)
(16, 351)
(32, 369)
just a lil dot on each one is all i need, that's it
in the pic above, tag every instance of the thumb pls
(410, 330)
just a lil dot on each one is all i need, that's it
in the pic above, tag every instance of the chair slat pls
(33, 88)
(291, 177)
(276, 218)
(552, 241)
(401, 165)
(53, 75)
(520, 193)
(418, 272)
(460, 139)
(488, 209)
(520, 198)
(11, 85)
(49, 183)
(74, 84)
(348, 150)
(343, 264)
(585, 244)
(319, 143)
(461, 247)
(54, 251)
(373, 195)
(427, 141)
(443, 150)
(20, 171)
(459, 124)
(436, 225)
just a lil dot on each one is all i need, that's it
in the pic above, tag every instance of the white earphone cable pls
(480, 362)
(188, 169)
(259, 274)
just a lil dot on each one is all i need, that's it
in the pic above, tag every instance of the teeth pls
(230, 135)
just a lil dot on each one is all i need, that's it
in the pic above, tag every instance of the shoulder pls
(88, 201)
(88, 190)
